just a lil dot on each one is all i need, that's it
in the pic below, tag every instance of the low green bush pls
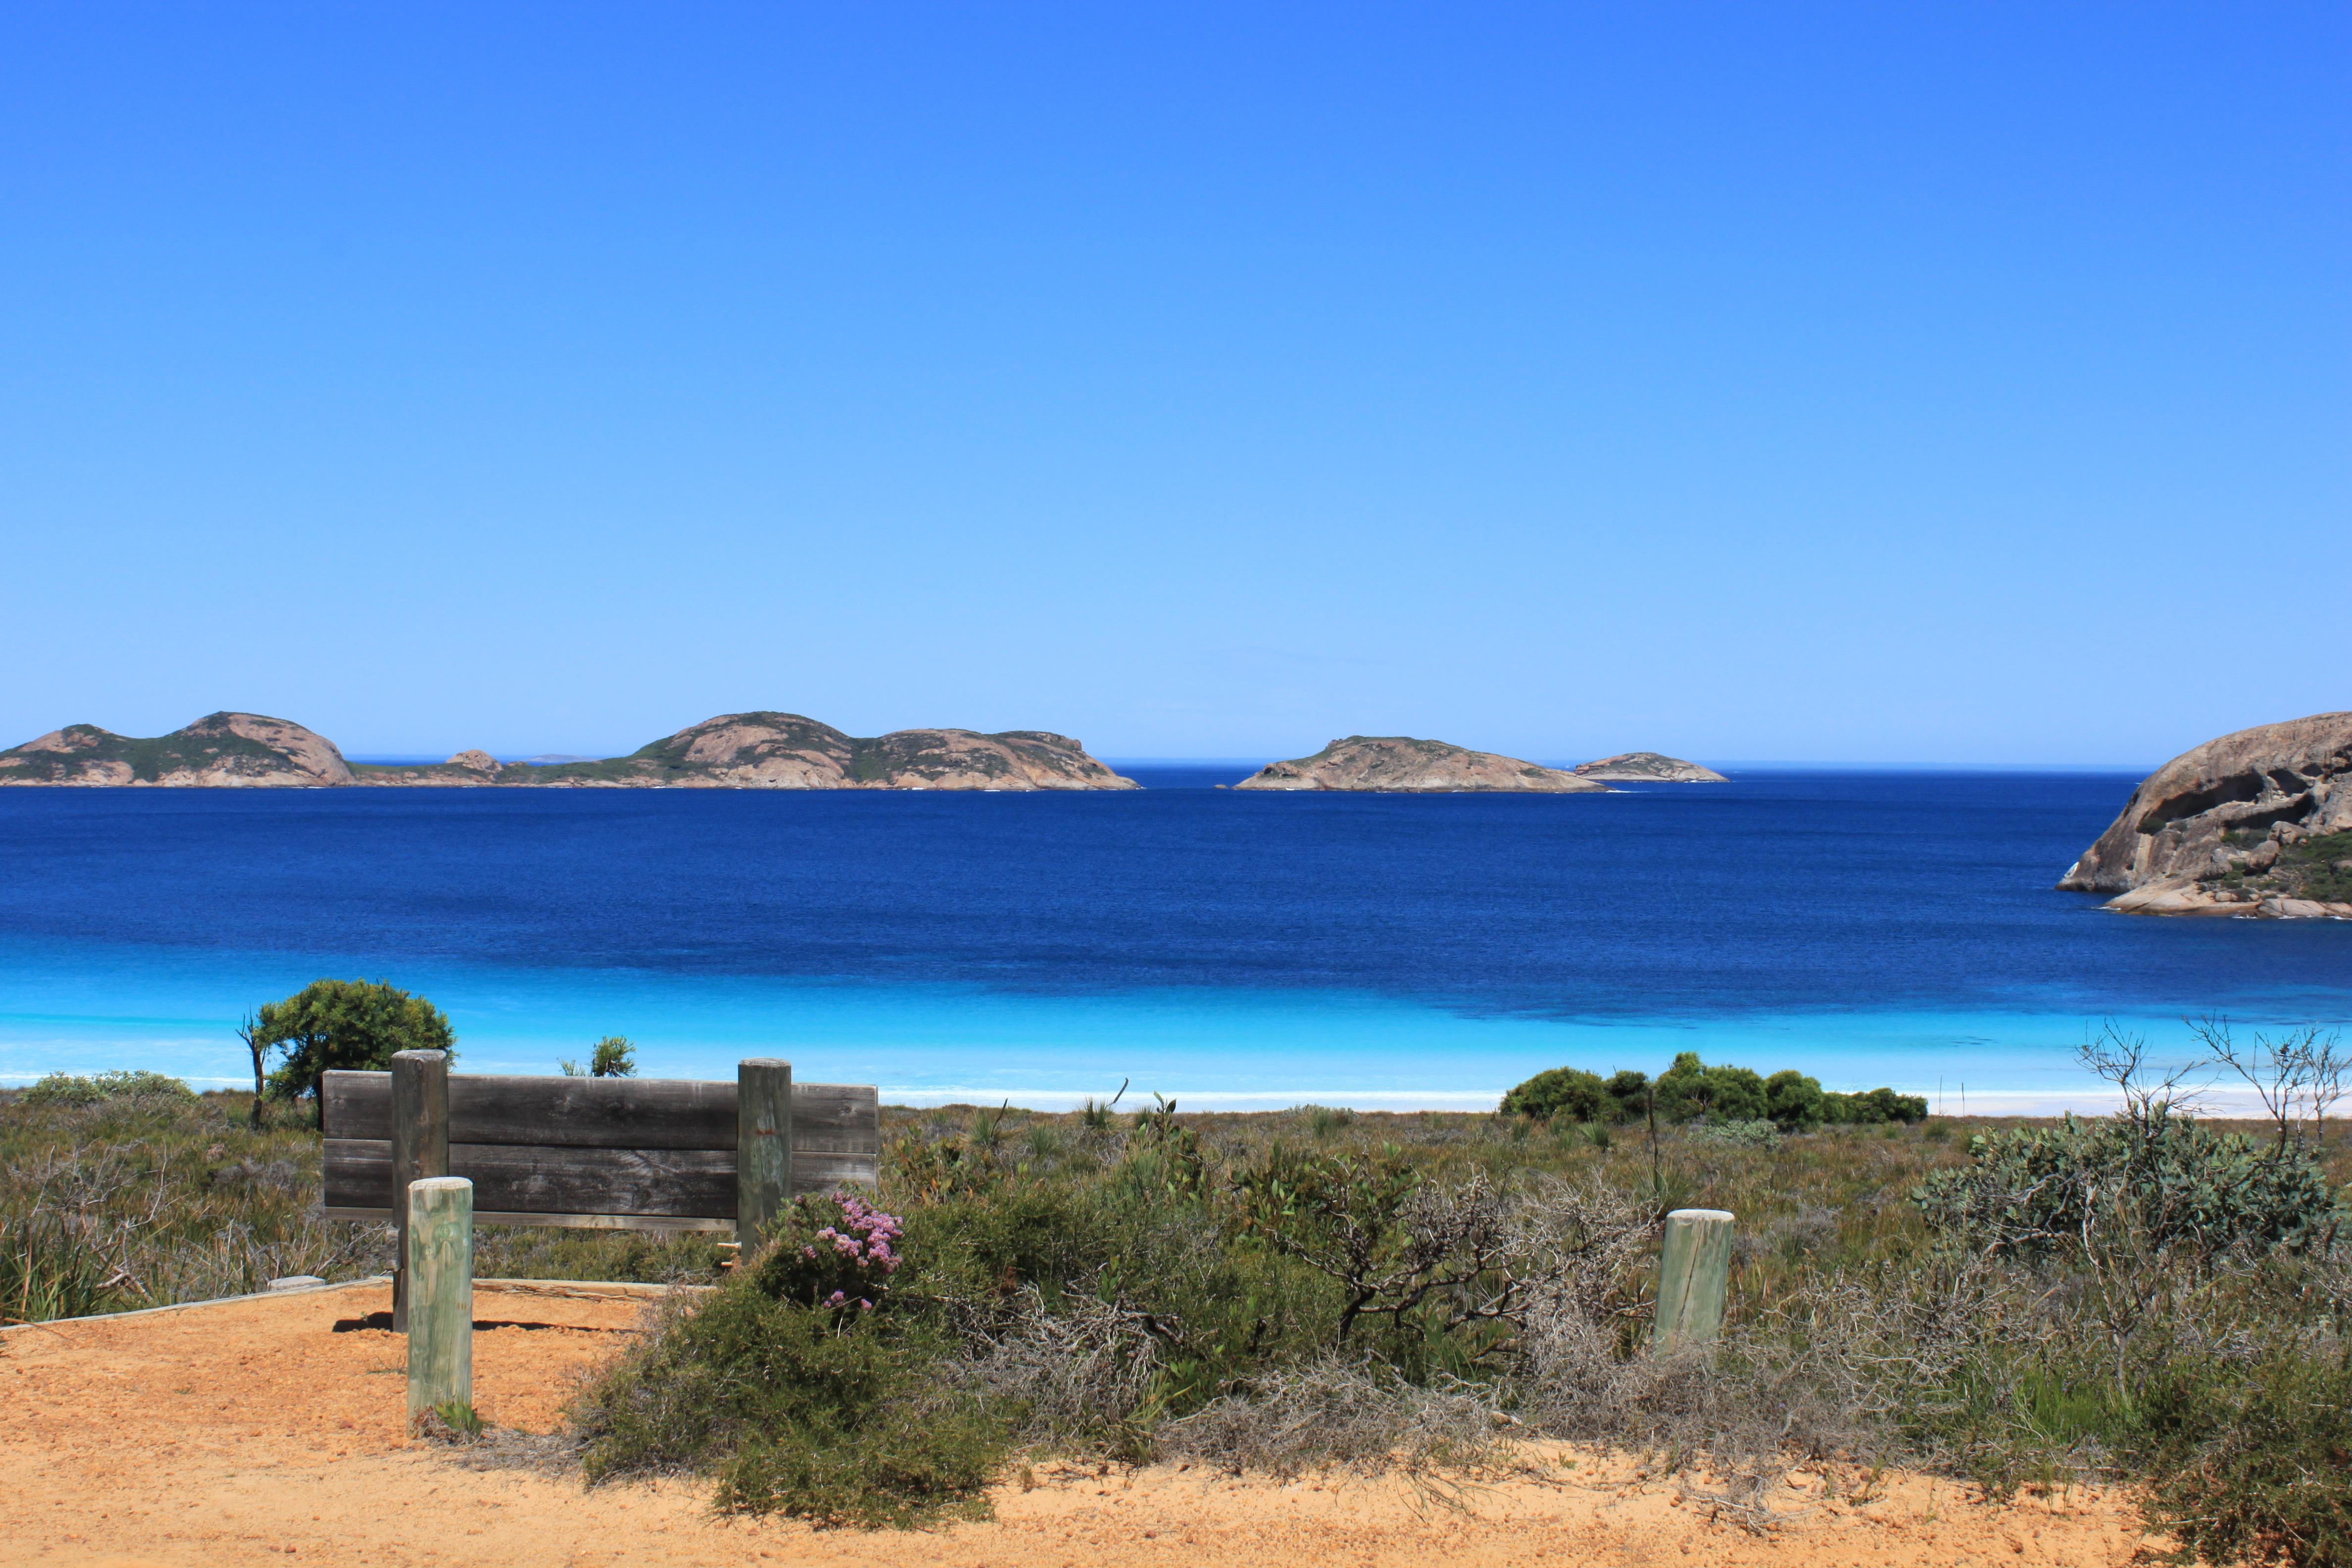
(839, 1419)
(64, 1089)
(1693, 1090)
(1570, 1093)
(2153, 1181)
(1760, 1134)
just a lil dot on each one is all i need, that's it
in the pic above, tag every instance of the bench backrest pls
(600, 1152)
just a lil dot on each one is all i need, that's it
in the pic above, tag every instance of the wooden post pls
(420, 1149)
(440, 1270)
(764, 1146)
(1694, 1275)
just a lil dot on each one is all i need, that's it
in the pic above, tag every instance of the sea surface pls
(1226, 949)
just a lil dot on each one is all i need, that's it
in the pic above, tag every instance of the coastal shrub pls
(1691, 1090)
(1631, 1090)
(1570, 1093)
(1878, 1106)
(2150, 1177)
(837, 1418)
(1792, 1100)
(833, 1252)
(1760, 1134)
(1323, 1120)
(332, 1025)
(64, 1089)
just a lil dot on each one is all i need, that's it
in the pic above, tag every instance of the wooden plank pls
(525, 1180)
(570, 1112)
(522, 1178)
(359, 1174)
(358, 1179)
(649, 1222)
(355, 1104)
(604, 1112)
(837, 1118)
(763, 1146)
(815, 1171)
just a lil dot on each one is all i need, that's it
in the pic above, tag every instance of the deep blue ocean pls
(1233, 949)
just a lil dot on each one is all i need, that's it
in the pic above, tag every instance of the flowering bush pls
(835, 1251)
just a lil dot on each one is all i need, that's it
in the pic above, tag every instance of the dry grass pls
(143, 1201)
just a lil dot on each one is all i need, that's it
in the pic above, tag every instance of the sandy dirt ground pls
(271, 1430)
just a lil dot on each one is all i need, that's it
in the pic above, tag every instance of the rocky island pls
(734, 751)
(2257, 824)
(1630, 767)
(218, 750)
(1402, 763)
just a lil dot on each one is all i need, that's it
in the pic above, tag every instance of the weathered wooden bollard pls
(764, 1146)
(420, 1148)
(440, 1270)
(1694, 1276)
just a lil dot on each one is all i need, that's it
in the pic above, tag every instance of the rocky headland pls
(1402, 763)
(2254, 824)
(1631, 767)
(734, 751)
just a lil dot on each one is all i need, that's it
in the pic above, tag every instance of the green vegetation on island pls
(220, 749)
(764, 750)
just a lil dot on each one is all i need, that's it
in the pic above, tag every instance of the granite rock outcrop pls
(1402, 763)
(734, 751)
(787, 751)
(1628, 767)
(2258, 823)
(219, 751)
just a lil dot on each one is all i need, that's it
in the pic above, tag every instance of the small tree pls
(612, 1057)
(345, 1024)
(250, 1033)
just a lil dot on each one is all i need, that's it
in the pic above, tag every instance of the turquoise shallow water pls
(926, 1044)
(1226, 951)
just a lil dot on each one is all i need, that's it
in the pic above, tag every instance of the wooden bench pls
(607, 1154)
(602, 1154)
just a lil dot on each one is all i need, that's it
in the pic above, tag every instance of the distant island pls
(1404, 764)
(2258, 824)
(734, 751)
(1629, 767)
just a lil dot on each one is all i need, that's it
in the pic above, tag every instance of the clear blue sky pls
(1886, 383)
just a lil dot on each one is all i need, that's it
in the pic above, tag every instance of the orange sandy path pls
(254, 1431)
